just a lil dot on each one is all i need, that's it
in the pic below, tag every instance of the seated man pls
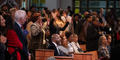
(54, 44)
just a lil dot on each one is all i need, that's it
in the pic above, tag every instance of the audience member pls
(37, 34)
(13, 42)
(3, 39)
(77, 24)
(20, 18)
(2, 25)
(57, 25)
(103, 52)
(64, 48)
(74, 43)
(91, 34)
(12, 12)
(3, 48)
(69, 11)
(55, 43)
(109, 39)
(85, 25)
(28, 25)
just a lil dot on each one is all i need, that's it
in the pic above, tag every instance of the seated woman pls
(74, 43)
(64, 48)
(103, 50)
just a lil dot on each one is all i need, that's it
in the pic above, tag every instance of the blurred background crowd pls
(23, 31)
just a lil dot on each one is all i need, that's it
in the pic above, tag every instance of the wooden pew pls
(95, 54)
(82, 56)
(43, 54)
(83, 47)
(63, 58)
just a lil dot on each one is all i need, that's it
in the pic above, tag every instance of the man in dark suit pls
(77, 24)
(20, 18)
(54, 44)
(92, 34)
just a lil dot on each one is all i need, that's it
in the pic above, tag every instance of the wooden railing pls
(44, 54)
(94, 53)
(83, 47)
(63, 58)
(82, 56)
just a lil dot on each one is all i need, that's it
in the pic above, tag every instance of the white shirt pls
(54, 44)
(75, 47)
(64, 19)
(70, 48)
(63, 49)
(19, 24)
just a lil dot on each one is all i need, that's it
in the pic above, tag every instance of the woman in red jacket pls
(13, 43)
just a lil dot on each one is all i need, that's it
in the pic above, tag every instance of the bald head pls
(56, 38)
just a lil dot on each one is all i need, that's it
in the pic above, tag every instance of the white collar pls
(19, 24)
(54, 44)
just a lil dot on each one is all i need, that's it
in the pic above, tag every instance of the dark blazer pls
(53, 47)
(22, 38)
(92, 38)
(77, 27)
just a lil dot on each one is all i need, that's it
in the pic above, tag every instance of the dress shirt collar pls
(54, 44)
(19, 24)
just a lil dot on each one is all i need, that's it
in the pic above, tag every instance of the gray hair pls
(20, 14)
(100, 40)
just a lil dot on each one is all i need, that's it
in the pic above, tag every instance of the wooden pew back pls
(83, 47)
(82, 56)
(95, 54)
(43, 54)
(63, 58)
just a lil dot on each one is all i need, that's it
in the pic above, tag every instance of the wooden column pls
(107, 5)
(115, 6)
(80, 5)
(87, 4)
(73, 6)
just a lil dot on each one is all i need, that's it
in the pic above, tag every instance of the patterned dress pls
(37, 37)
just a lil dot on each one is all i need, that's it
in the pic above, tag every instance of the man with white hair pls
(20, 19)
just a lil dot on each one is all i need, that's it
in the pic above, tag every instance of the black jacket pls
(53, 47)
(22, 38)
